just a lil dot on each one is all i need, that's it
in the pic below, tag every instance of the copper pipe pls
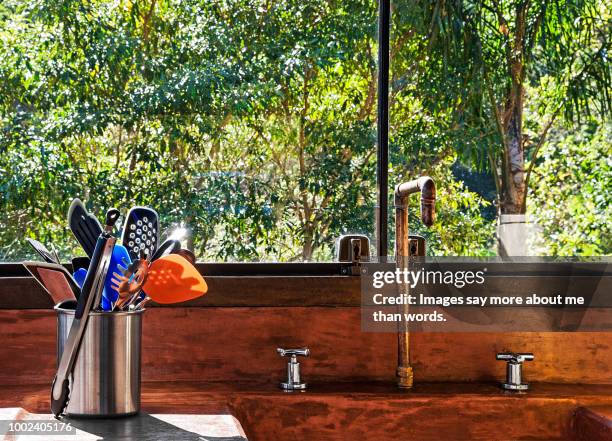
(426, 186)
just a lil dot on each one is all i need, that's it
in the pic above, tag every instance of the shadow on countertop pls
(153, 428)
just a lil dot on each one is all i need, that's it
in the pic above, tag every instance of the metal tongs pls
(89, 299)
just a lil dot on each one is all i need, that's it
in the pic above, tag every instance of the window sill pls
(317, 284)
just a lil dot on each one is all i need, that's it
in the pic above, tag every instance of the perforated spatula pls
(141, 232)
(172, 279)
(85, 227)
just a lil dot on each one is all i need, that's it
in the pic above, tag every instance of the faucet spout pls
(426, 186)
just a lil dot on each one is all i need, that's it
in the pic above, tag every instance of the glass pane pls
(251, 124)
(496, 101)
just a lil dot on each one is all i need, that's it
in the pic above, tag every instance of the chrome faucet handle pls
(515, 357)
(304, 352)
(293, 368)
(514, 369)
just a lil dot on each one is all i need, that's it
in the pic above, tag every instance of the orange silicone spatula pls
(172, 279)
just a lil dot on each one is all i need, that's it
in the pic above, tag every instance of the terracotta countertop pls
(210, 396)
(336, 411)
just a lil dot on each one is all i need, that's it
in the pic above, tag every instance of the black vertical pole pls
(382, 125)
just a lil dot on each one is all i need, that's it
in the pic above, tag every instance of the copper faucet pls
(425, 185)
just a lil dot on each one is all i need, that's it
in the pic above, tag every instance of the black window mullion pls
(382, 126)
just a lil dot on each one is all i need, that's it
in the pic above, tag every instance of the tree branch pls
(530, 40)
(496, 176)
(366, 109)
(145, 23)
(536, 150)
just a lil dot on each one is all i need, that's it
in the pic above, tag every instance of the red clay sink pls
(350, 411)
(427, 412)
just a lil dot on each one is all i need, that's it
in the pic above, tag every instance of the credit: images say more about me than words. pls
(457, 279)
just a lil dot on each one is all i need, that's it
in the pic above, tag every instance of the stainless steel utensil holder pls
(106, 376)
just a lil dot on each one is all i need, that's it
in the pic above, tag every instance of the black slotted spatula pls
(85, 227)
(141, 232)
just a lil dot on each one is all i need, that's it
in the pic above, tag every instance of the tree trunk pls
(513, 187)
(512, 232)
(513, 175)
(307, 247)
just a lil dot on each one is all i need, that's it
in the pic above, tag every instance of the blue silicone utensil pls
(119, 260)
(79, 276)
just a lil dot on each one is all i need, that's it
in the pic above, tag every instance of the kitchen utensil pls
(79, 276)
(84, 226)
(140, 305)
(43, 251)
(168, 247)
(119, 259)
(172, 279)
(90, 296)
(80, 262)
(141, 231)
(55, 280)
(57, 258)
(129, 283)
(187, 254)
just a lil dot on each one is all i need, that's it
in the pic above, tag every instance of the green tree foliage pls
(480, 56)
(252, 122)
(571, 202)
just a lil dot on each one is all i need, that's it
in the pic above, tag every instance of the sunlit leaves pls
(251, 121)
(570, 205)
